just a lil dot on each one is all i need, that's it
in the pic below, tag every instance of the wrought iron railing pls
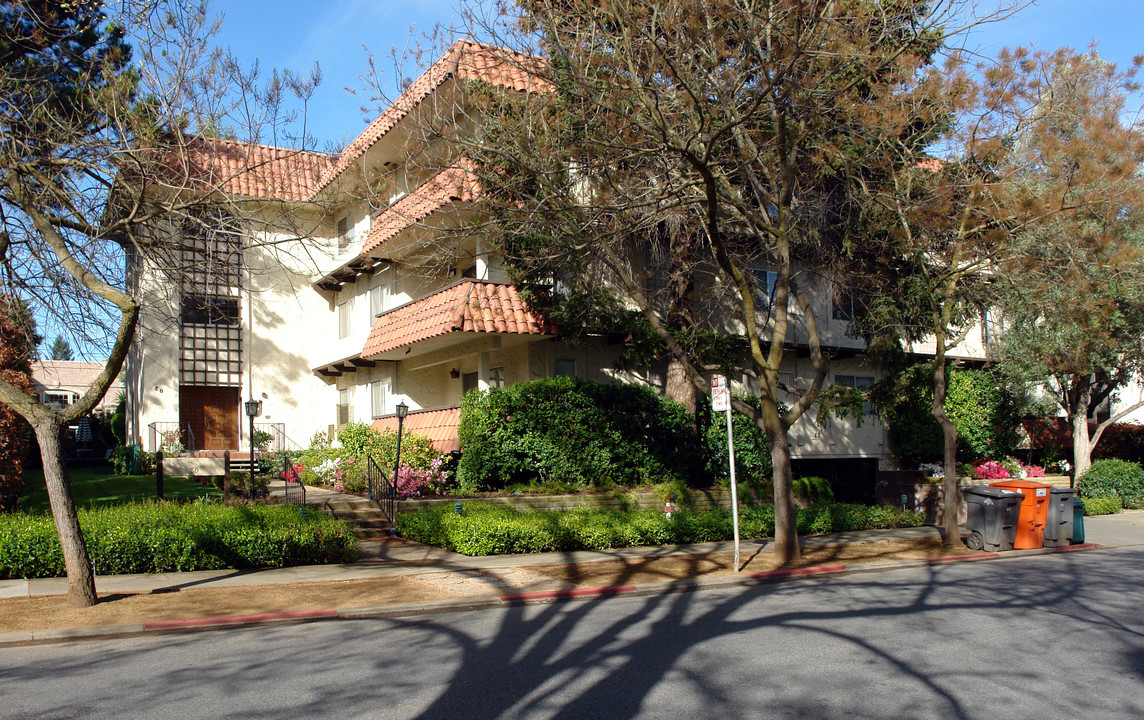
(278, 440)
(164, 436)
(295, 490)
(383, 491)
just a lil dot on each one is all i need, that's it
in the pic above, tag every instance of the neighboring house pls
(331, 302)
(61, 382)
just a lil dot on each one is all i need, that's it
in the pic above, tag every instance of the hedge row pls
(574, 432)
(1113, 478)
(167, 537)
(1102, 506)
(485, 529)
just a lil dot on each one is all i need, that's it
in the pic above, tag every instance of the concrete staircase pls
(364, 516)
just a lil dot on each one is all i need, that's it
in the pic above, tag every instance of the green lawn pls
(95, 487)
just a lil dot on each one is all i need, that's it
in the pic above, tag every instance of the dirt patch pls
(54, 612)
(673, 567)
(44, 613)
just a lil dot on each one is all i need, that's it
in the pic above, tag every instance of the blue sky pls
(293, 34)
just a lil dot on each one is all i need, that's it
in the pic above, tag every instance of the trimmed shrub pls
(812, 489)
(169, 537)
(486, 529)
(1101, 506)
(1113, 478)
(571, 431)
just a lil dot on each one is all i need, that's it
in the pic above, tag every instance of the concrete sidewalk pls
(402, 558)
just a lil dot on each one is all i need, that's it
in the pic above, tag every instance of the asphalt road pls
(1056, 636)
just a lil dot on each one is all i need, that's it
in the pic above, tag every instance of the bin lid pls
(1018, 483)
(990, 491)
(1061, 491)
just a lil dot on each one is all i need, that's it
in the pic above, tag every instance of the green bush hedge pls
(168, 537)
(1102, 506)
(1113, 478)
(985, 412)
(345, 467)
(486, 529)
(565, 430)
(752, 449)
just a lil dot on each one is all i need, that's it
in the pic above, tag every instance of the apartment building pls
(335, 297)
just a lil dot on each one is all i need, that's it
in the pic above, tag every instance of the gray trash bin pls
(991, 516)
(1059, 521)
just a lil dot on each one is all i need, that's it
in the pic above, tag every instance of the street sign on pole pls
(721, 402)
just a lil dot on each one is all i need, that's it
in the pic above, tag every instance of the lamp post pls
(402, 411)
(253, 410)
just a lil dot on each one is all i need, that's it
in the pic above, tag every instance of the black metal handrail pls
(383, 491)
(295, 490)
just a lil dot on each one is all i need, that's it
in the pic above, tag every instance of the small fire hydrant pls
(669, 506)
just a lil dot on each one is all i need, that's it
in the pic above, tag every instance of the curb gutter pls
(156, 627)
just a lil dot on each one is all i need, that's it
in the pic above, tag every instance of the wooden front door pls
(212, 414)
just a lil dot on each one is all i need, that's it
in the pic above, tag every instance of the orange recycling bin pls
(1034, 511)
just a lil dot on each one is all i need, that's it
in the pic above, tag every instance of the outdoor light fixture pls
(253, 410)
(402, 410)
(454, 373)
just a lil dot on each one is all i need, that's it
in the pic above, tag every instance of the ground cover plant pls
(486, 529)
(94, 487)
(1101, 506)
(172, 537)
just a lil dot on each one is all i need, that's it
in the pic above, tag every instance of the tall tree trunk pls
(679, 386)
(81, 577)
(951, 494)
(786, 519)
(1078, 416)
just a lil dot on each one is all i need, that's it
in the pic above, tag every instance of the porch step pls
(364, 516)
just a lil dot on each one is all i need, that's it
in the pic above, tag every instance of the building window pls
(345, 411)
(59, 398)
(764, 281)
(343, 320)
(198, 310)
(377, 398)
(376, 302)
(860, 382)
(565, 367)
(496, 377)
(845, 307)
(345, 234)
(985, 337)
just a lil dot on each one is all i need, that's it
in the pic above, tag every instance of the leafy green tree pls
(61, 349)
(677, 150)
(1074, 303)
(954, 224)
(94, 167)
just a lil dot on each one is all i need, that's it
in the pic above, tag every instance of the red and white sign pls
(720, 395)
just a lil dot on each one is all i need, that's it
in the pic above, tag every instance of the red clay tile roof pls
(465, 60)
(246, 169)
(468, 306)
(439, 425)
(453, 184)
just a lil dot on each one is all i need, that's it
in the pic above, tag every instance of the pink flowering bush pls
(1003, 470)
(430, 482)
(990, 470)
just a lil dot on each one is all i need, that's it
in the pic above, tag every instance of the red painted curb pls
(562, 594)
(1071, 548)
(238, 619)
(963, 558)
(795, 572)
